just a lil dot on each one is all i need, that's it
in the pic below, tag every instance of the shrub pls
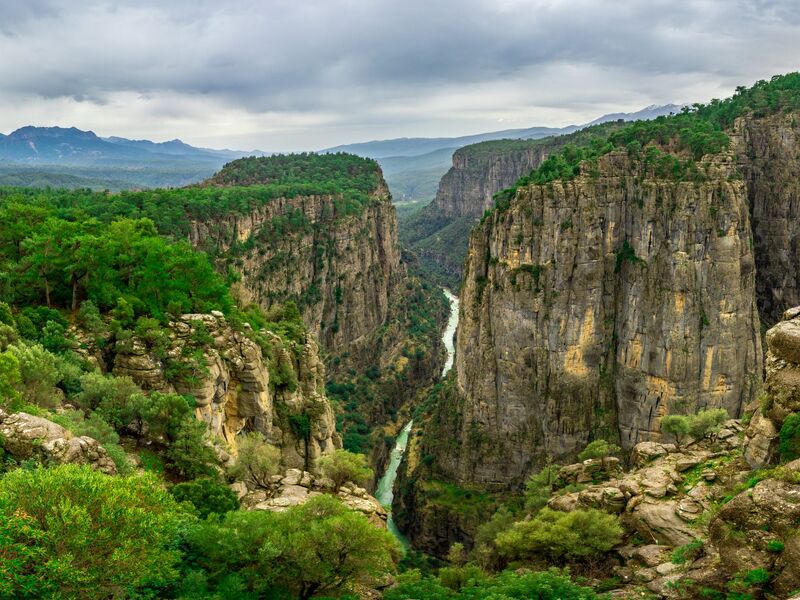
(698, 426)
(38, 373)
(343, 466)
(775, 546)
(85, 534)
(256, 461)
(687, 553)
(207, 495)
(561, 536)
(676, 425)
(598, 449)
(539, 487)
(188, 452)
(790, 438)
(314, 549)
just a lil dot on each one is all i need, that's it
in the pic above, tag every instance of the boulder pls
(644, 452)
(26, 436)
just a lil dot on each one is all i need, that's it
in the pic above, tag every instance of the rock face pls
(782, 387)
(341, 269)
(25, 436)
(233, 391)
(768, 152)
(482, 170)
(593, 307)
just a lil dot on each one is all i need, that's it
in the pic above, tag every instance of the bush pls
(84, 534)
(539, 487)
(698, 426)
(687, 553)
(598, 449)
(343, 466)
(560, 536)
(790, 438)
(188, 453)
(207, 495)
(546, 585)
(39, 374)
(314, 549)
(256, 460)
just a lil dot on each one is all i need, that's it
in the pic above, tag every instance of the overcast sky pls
(307, 74)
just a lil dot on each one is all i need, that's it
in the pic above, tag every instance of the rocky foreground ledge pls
(296, 487)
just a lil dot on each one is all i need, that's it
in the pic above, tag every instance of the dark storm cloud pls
(341, 60)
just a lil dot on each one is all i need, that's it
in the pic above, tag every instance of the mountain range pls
(70, 157)
(418, 179)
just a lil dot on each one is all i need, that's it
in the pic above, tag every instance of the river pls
(384, 492)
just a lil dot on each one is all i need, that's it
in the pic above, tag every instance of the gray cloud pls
(287, 74)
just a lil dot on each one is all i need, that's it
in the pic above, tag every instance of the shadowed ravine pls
(384, 492)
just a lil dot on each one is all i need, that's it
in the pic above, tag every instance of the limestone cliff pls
(231, 385)
(768, 153)
(339, 259)
(341, 269)
(440, 231)
(592, 307)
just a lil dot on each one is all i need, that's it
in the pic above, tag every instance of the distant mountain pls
(417, 146)
(104, 162)
(412, 180)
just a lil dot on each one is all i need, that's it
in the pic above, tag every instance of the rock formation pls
(341, 269)
(296, 487)
(591, 308)
(233, 392)
(25, 437)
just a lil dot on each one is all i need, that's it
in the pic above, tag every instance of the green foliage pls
(688, 552)
(343, 466)
(775, 546)
(790, 438)
(699, 426)
(207, 496)
(485, 551)
(95, 427)
(546, 585)
(133, 270)
(256, 460)
(10, 378)
(188, 453)
(626, 254)
(321, 547)
(560, 536)
(69, 531)
(39, 374)
(539, 487)
(707, 422)
(598, 449)
(676, 425)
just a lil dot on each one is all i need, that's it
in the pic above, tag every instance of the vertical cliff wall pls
(341, 269)
(592, 307)
(768, 153)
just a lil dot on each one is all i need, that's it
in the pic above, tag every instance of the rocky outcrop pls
(296, 487)
(758, 530)
(781, 390)
(231, 385)
(341, 267)
(481, 170)
(590, 308)
(26, 437)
